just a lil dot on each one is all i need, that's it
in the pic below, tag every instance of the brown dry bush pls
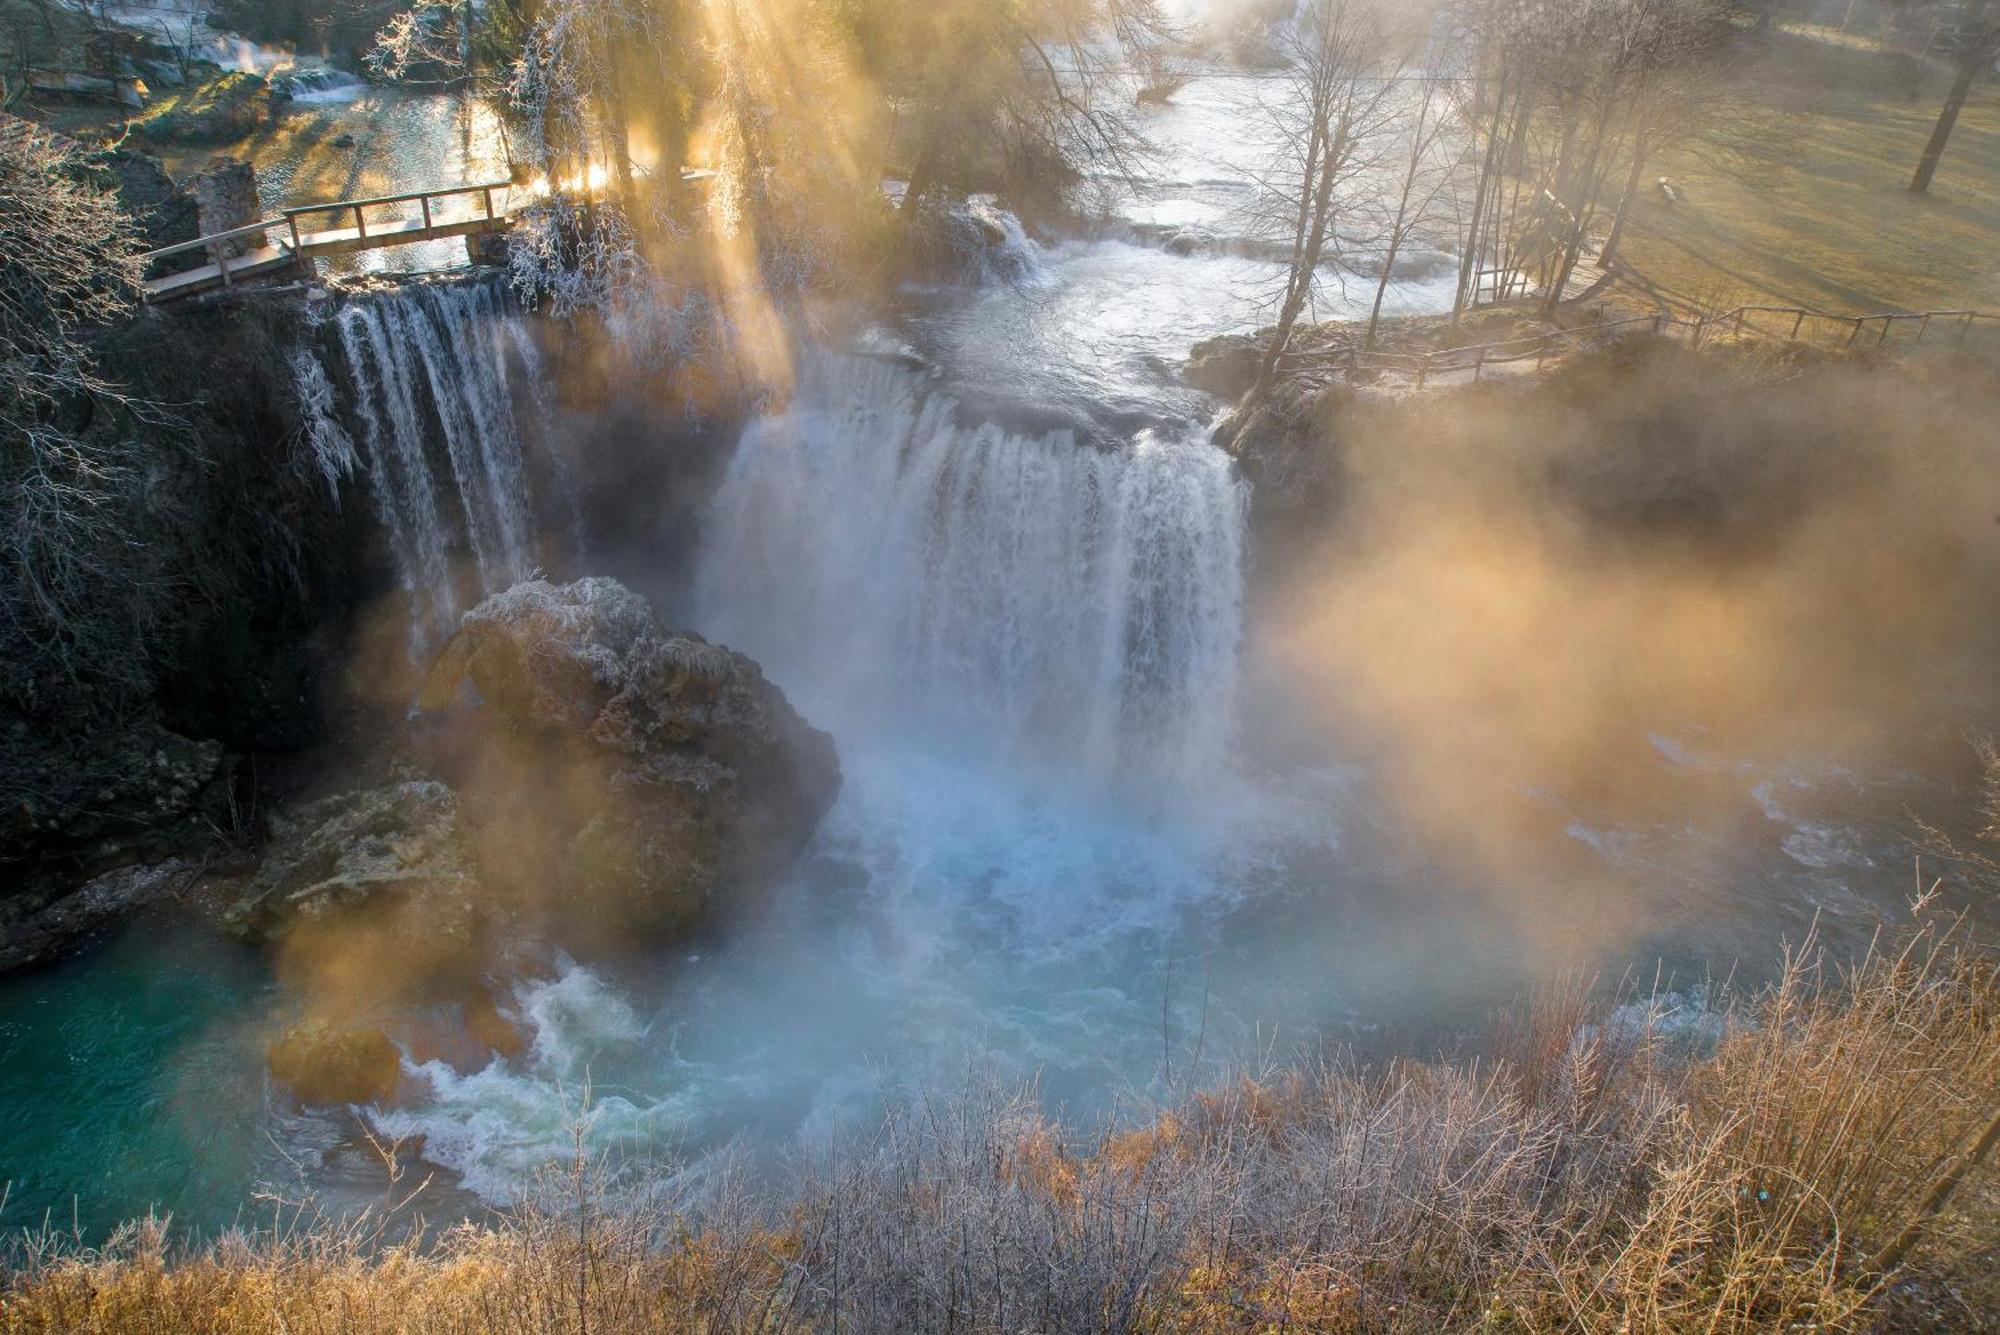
(1815, 1157)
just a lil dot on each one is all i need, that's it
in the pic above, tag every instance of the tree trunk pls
(1579, 234)
(1610, 251)
(917, 186)
(1306, 254)
(1482, 195)
(1381, 288)
(1961, 87)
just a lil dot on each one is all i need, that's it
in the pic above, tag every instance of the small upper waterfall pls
(431, 364)
(1060, 601)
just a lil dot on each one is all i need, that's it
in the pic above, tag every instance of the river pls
(993, 552)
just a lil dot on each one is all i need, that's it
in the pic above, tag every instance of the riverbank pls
(1819, 1154)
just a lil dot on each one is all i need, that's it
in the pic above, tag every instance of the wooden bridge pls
(299, 234)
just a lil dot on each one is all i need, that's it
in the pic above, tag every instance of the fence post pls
(1478, 364)
(1884, 338)
(1852, 335)
(360, 225)
(1423, 369)
(1923, 327)
(297, 245)
(1797, 322)
(488, 194)
(425, 202)
(221, 261)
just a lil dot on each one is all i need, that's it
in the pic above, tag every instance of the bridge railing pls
(424, 199)
(215, 245)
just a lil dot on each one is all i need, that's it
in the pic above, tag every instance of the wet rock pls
(1288, 446)
(1225, 366)
(343, 140)
(323, 1063)
(465, 1035)
(491, 1028)
(619, 774)
(398, 847)
(1185, 243)
(226, 194)
(89, 799)
(32, 935)
(166, 214)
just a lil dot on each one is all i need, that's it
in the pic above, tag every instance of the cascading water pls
(1026, 650)
(427, 363)
(1066, 603)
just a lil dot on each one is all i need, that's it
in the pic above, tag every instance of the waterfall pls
(431, 364)
(893, 566)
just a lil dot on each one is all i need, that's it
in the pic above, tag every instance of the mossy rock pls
(226, 108)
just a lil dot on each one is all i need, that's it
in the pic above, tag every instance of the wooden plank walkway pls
(254, 252)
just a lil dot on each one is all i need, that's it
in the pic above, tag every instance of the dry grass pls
(1828, 221)
(1808, 1160)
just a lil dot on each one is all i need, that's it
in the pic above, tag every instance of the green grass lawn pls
(1828, 221)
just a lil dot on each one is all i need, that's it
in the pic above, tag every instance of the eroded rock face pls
(96, 798)
(1288, 445)
(32, 935)
(619, 775)
(329, 857)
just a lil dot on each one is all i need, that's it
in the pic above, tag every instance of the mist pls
(1656, 594)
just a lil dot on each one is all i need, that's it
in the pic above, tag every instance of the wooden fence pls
(1794, 324)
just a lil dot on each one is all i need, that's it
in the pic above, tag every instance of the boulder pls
(33, 934)
(326, 1063)
(1226, 365)
(1288, 444)
(226, 194)
(393, 849)
(620, 774)
(225, 108)
(166, 214)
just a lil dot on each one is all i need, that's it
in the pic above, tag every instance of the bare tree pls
(1977, 38)
(1425, 172)
(1343, 102)
(68, 261)
(1559, 100)
(1014, 92)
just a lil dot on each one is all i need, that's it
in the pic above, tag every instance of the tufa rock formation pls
(401, 842)
(620, 776)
